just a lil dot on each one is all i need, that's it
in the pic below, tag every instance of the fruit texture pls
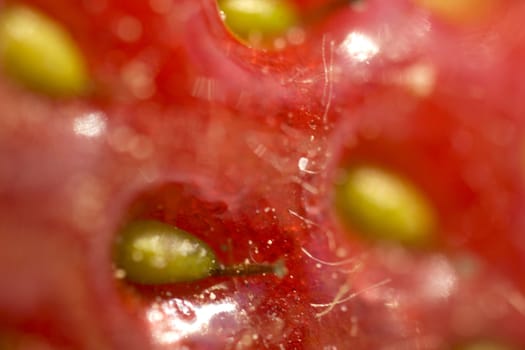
(243, 148)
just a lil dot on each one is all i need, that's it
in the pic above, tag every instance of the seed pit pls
(275, 24)
(171, 236)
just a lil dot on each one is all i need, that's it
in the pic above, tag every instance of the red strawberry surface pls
(241, 147)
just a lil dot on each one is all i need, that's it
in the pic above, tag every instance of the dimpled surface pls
(240, 148)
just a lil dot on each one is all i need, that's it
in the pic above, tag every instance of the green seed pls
(39, 53)
(385, 206)
(258, 18)
(151, 252)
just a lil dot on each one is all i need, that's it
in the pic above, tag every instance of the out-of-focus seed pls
(39, 53)
(459, 11)
(384, 206)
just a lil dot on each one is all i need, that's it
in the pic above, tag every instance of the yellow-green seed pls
(385, 206)
(151, 252)
(38, 52)
(258, 18)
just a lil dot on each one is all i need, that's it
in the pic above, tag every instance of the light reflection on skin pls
(439, 279)
(168, 327)
(90, 124)
(359, 47)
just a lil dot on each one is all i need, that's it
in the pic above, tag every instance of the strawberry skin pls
(241, 147)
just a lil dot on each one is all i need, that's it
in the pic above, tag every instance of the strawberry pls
(354, 178)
